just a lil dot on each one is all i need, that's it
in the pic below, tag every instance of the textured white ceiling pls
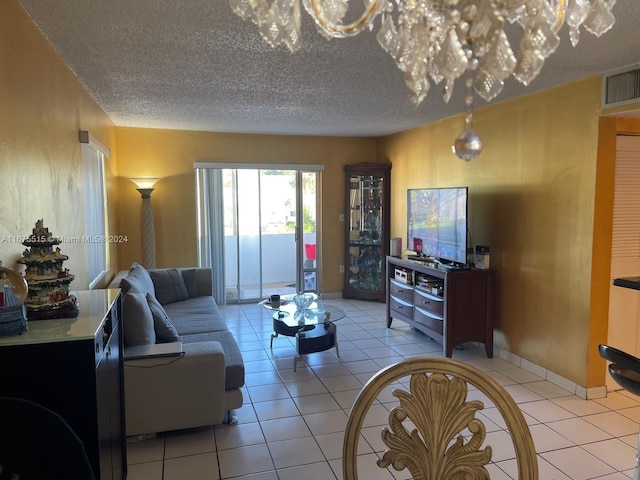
(195, 65)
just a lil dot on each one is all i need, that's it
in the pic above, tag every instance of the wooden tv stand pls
(450, 306)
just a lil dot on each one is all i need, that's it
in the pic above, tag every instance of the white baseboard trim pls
(566, 384)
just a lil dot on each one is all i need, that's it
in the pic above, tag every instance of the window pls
(93, 155)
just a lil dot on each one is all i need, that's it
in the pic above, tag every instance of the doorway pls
(624, 304)
(263, 236)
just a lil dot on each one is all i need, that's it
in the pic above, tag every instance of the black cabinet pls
(367, 196)
(74, 367)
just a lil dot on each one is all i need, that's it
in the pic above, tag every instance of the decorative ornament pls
(436, 445)
(48, 281)
(13, 291)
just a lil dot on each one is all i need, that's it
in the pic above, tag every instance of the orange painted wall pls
(609, 128)
(43, 108)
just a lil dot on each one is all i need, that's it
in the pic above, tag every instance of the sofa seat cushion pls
(233, 363)
(196, 315)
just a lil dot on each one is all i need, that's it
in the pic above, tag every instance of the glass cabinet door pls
(367, 228)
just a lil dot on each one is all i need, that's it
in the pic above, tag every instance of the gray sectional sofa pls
(201, 385)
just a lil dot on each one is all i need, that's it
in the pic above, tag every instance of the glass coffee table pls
(313, 327)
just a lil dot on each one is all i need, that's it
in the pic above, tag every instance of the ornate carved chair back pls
(433, 431)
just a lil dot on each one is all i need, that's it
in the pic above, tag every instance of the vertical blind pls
(626, 204)
(94, 205)
(211, 228)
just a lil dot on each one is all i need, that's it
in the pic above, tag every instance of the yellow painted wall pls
(540, 192)
(532, 201)
(43, 108)
(171, 154)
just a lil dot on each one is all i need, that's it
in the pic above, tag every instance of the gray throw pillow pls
(169, 285)
(137, 280)
(137, 320)
(189, 276)
(165, 330)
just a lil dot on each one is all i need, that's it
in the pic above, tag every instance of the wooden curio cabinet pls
(367, 196)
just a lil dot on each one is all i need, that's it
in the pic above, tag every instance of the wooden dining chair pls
(433, 431)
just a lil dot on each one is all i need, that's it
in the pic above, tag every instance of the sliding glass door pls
(265, 241)
(308, 221)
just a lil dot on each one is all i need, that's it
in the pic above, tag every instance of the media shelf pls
(452, 306)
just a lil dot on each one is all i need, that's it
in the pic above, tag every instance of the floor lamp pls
(145, 187)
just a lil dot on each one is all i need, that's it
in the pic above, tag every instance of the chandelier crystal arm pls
(439, 40)
(561, 11)
(338, 30)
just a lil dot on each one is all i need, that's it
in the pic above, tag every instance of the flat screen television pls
(437, 223)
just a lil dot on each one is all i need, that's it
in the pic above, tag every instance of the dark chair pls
(38, 444)
(624, 368)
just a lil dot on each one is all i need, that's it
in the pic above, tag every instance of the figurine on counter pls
(10, 298)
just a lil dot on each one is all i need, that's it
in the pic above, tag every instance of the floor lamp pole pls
(148, 231)
(145, 187)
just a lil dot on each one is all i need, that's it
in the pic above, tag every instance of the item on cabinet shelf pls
(395, 247)
(431, 285)
(404, 276)
(13, 319)
(481, 257)
(48, 295)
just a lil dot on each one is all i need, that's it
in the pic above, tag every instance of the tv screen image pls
(437, 223)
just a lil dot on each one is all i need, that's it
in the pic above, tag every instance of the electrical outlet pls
(341, 217)
(341, 268)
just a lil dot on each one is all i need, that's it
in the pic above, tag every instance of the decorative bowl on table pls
(319, 315)
(303, 300)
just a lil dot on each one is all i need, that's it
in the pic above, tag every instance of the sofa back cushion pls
(137, 320)
(169, 285)
(190, 281)
(137, 280)
(165, 331)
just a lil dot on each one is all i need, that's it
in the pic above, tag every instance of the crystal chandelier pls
(442, 40)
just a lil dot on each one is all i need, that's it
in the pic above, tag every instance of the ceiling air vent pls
(621, 87)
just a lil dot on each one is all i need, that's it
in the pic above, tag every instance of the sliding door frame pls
(205, 220)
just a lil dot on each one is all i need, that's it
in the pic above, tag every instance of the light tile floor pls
(292, 424)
